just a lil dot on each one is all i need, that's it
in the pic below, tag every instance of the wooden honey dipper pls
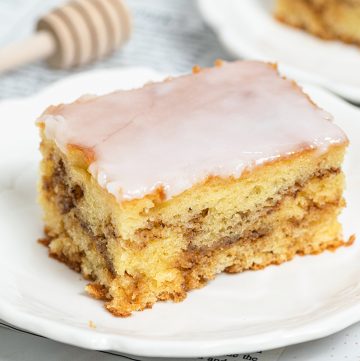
(74, 34)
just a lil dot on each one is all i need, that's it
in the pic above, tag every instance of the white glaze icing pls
(176, 133)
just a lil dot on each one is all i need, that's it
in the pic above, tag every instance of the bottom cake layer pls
(303, 221)
(330, 19)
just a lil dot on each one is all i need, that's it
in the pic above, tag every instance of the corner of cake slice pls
(152, 192)
(327, 19)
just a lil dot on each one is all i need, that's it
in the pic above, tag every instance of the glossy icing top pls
(173, 134)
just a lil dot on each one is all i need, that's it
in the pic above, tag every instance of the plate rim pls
(88, 338)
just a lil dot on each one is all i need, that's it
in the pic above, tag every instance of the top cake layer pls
(218, 121)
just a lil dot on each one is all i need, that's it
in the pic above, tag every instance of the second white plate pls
(247, 28)
(307, 298)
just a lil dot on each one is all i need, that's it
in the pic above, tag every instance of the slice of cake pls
(328, 19)
(151, 192)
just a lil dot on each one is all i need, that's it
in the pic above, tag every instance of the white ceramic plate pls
(305, 299)
(247, 29)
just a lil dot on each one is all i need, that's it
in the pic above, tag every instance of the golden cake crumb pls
(91, 324)
(196, 69)
(327, 19)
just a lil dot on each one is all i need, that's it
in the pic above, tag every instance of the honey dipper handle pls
(39, 46)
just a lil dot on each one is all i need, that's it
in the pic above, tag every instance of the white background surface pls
(172, 43)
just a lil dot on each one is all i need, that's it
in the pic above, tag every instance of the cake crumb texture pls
(149, 250)
(327, 19)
